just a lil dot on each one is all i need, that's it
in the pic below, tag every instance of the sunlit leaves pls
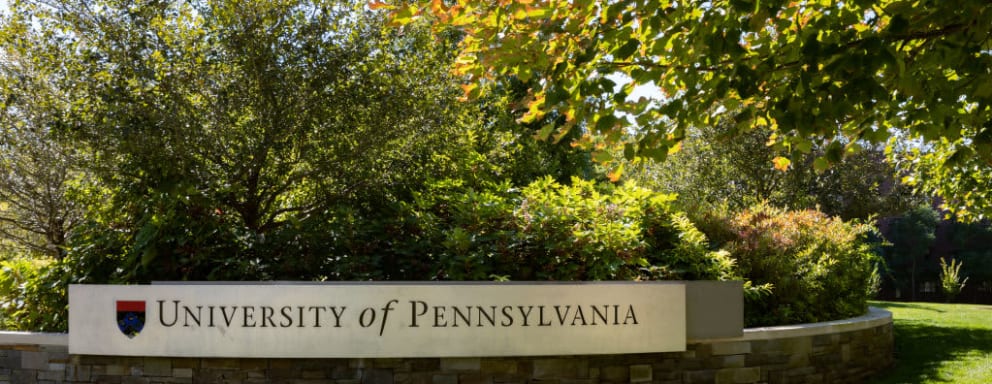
(818, 72)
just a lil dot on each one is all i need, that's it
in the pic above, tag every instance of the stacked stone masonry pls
(846, 356)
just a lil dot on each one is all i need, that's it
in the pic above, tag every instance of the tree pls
(234, 138)
(281, 139)
(37, 170)
(834, 74)
(716, 167)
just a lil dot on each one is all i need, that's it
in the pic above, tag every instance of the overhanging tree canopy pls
(818, 72)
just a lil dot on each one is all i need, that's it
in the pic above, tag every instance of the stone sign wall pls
(377, 320)
(833, 352)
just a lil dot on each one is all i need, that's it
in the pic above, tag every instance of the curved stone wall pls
(833, 352)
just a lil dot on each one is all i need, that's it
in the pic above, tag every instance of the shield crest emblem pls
(130, 317)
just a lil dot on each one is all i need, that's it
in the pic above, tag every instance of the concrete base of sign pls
(833, 352)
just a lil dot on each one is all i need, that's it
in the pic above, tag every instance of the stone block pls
(58, 357)
(733, 361)
(665, 365)
(615, 374)
(51, 376)
(498, 366)
(425, 365)
(134, 380)
(106, 379)
(461, 364)
(445, 379)
(641, 373)
(24, 377)
(75, 372)
(56, 366)
(94, 360)
(345, 373)
(474, 378)
(182, 380)
(829, 339)
(419, 378)
(767, 359)
(211, 375)
(799, 350)
(34, 360)
(738, 376)
(284, 373)
(561, 369)
(182, 372)
(115, 370)
(220, 363)
(594, 373)
(185, 363)
(393, 363)
(256, 374)
(577, 381)
(11, 360)
(731, 348)
(698, 377)
(254, 364)
(666, 376)
(157, 366)
(377, 376)
(313, 374)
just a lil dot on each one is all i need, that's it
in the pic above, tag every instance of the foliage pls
(812, 72)
(715, 168)
(970, 246)
(581, 231)
(31, 297)
(950, 278)
(37, 169)
(911, 236)
(226, 139)
(874, 285)
(818, 267)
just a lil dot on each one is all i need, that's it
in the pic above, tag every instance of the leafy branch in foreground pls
(814, 73)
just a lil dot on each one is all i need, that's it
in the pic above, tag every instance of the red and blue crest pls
(130, 317)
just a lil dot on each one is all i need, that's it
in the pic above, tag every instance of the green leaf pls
(821, 164)
(625, 51)
(545, 131)
(605, 123)
(602, 157)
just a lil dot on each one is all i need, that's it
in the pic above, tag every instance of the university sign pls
(376, 320)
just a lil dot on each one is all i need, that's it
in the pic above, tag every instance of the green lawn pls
(940, 343)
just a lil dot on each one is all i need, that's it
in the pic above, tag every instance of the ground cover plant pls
(940, 343)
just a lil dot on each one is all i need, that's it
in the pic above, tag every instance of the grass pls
(940, 343)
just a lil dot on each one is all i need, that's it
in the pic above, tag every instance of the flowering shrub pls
(817, 267)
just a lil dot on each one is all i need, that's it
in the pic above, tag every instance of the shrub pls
(32, 295)
(950, 278)
(582, 231)
(818, 267)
